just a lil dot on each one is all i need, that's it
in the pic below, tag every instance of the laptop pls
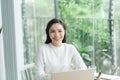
(87, 74)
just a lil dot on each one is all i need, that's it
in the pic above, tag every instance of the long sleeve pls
(40, 67)
(77, 60)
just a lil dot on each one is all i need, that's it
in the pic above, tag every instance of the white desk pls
(108, 77)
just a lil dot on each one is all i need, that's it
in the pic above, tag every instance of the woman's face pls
(56, 33)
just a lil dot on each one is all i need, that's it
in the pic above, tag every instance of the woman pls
(56, 55)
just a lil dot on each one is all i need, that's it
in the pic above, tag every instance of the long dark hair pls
(50, 23)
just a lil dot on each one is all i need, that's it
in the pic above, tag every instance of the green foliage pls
(88, 34)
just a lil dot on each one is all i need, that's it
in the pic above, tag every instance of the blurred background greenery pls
(88, 28)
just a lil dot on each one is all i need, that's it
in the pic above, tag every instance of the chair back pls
(27, 73)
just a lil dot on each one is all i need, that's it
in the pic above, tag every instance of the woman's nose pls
(56, 33)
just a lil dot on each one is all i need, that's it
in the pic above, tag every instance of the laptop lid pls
(87, 74)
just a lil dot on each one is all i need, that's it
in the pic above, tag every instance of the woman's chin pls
(57, 42)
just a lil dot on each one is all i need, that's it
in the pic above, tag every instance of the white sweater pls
(52, 59)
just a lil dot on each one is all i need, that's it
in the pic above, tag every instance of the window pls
(116, 33)
(35, 17)
(94, 30)
(89, 29)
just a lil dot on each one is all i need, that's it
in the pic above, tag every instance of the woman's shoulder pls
(42, 46)
(69, 45)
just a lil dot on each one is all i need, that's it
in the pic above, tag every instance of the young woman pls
(56, 55)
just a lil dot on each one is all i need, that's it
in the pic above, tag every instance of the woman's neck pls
(57, 44)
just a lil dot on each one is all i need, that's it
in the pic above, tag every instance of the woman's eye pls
(52, 31)
(60, 31)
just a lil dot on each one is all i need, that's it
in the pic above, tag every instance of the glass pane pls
(88, 29)
(35, 15)
(117, 35)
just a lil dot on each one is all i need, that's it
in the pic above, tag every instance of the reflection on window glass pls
(116, 33)
(35, 15)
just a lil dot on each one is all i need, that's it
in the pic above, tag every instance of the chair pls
(27, 73)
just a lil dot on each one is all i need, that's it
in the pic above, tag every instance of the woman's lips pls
(57, 39)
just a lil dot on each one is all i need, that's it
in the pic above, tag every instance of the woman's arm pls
(40, 67)
(77, 60)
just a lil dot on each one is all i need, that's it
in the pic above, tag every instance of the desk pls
(107, 77)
